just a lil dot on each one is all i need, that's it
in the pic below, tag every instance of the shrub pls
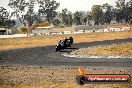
(23, 30)
(130, 21)
(62, 25)
(42, 24)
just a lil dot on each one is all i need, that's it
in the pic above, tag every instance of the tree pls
(56, 22)
(47, 8)
(123, 11)
(83, 15)
(97, 14)
(3, 14)
(30, 16)
(66, 17)
(19, 9)
(77, 18)
(120, 11)
(108, 13)
(5, 20)
(27, 18)
(128, 11)
(89, 18)
(69, 18)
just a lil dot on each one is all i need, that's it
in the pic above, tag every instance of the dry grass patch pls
(114, 50)
(13, 43)
(105, 50)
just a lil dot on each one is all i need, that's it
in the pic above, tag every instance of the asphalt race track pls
(45, 56)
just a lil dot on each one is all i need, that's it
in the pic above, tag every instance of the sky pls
(73, 5)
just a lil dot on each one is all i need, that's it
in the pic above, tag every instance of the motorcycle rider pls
(60, 46)
(71, 40)
(65, 41)
(61, 43)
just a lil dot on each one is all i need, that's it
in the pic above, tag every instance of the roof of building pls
(57, 29)
(58, 18)
(87, 27)
(63, 29)
(46, 27)
(2, 29)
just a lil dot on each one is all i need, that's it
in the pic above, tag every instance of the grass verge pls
(13, 43)
(124, 49)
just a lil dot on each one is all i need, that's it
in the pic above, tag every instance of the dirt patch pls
(124, 49)
(52, 77)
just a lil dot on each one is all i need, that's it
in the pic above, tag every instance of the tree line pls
(5, 20)
(100, 14)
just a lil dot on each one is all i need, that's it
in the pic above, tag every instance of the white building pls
(41, 30)
(4, 31)
(53, 31)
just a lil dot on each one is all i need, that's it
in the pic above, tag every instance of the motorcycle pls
(59, 47)
(66, 43)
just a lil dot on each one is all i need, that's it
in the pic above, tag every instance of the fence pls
(15, 35)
